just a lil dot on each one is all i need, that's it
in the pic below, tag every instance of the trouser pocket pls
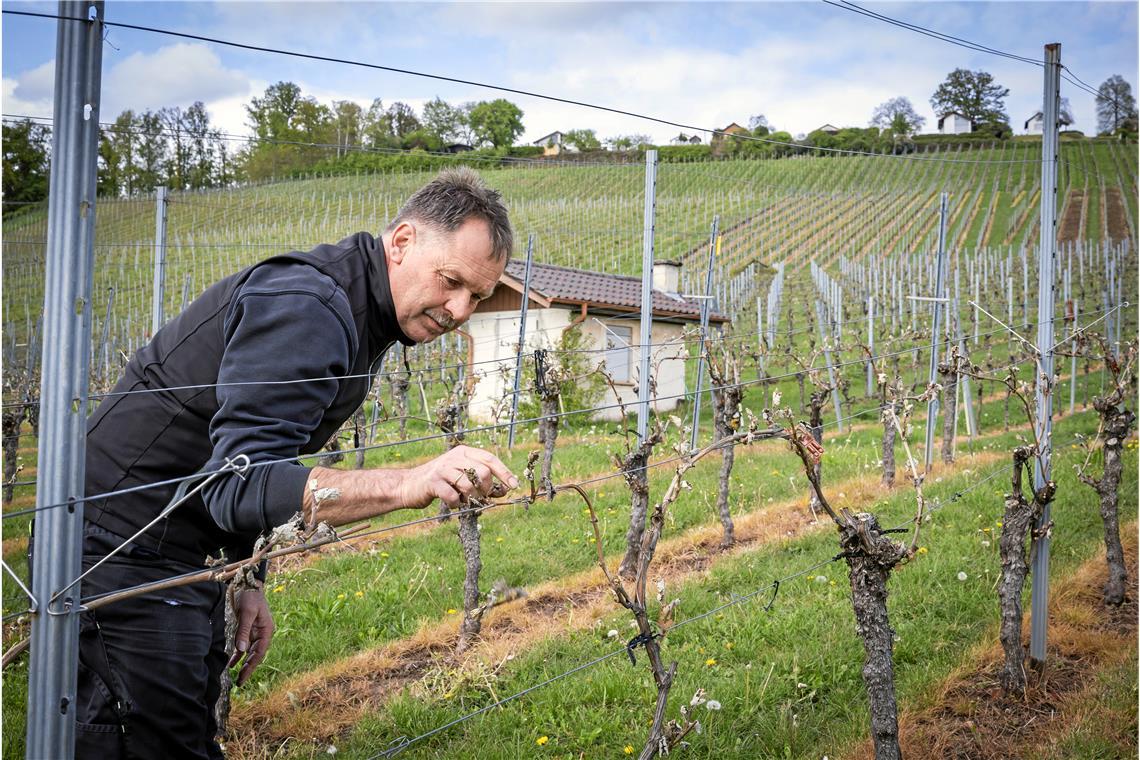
(101, 701)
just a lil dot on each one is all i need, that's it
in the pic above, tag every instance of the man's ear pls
(403, 238)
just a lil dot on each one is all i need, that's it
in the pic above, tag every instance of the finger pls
(235, 658)
(247, 669)
(246, 617)
(447, 493)
(496, 467)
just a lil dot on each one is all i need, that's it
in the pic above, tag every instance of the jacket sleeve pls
(289, 326)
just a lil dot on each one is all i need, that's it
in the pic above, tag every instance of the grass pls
(788, 680)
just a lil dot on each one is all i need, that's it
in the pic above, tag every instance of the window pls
(617, 355)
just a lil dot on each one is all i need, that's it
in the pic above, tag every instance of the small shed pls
(1035, 124)
(954, 123)
(607, 309)
(552, 144)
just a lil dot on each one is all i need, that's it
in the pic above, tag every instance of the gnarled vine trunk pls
(1018, 519)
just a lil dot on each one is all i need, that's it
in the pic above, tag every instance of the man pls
(267, 363)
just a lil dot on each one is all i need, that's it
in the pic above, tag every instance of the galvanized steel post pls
(706, 306)
(939, 301)
(52, 672)
(522, 340)
(1047, 260)
(159, 291)
(646, 293)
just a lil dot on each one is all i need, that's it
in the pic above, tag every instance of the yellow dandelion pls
(342, 596)
(540, 741)
(451, 612)
(385, 555)
(728, 645)
(998, 523)
(710, 661)
(278, 589)
(359, 594)
(499, 540)
(922, 550)
(627, 749)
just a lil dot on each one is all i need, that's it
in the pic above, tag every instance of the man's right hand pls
(453, 478)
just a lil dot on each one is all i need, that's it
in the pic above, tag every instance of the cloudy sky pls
(702, 63)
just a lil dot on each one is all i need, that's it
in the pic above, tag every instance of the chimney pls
(667, 276)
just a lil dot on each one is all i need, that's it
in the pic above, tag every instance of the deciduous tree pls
(1115, 104)
(974, 94)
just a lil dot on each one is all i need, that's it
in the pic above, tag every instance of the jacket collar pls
(383, 326)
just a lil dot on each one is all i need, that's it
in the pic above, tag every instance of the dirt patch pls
(972, 719)
(1070, 226)
(1114, 208)
(324, 703)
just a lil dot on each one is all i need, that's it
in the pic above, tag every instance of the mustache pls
(443, 319)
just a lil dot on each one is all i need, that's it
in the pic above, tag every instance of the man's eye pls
(450, 282)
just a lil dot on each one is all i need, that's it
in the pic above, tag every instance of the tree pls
(628, 142)
(759, 125)
(401, 119)
(447, 122)
(1115, 104)
(348, 118)
(974, 94)
(271, 115)
(118, 170)
(26, 149)
(498, 122)
(150, 152)
(582, 139)
(898, 117)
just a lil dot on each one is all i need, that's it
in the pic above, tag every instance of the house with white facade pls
(1035, 124)
(954, 123)
(554, 144)
(605, 307)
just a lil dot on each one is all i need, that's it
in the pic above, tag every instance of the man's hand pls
(455, 477)
(254, 631)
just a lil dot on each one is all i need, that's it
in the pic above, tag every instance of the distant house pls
(1035, 124)
(721, 134)
(553, 144)
(457, 148)
(684, 139)
(830, 129)
(954, 123)
(606, 306)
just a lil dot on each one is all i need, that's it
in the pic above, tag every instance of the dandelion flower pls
(385, 555)
(451, 612)
(821, 579)
(342, 596)
(540, 741)
(331, 749)
(499, 540)
(612, 634)
(962, 576)
(278, 589)
(627, 749)
(922, 550)
(710, 661)
(712, 704)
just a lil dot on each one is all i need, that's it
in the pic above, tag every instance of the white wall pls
(496, 334)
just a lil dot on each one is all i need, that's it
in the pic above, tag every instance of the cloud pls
(175, 75)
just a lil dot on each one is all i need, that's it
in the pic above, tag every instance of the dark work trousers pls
(148, 665)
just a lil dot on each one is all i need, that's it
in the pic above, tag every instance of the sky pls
(707, 64)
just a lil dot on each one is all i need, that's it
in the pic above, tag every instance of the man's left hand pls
(254, 631)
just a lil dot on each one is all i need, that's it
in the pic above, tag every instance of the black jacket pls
(324, 317)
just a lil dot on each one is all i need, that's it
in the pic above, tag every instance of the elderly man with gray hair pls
(266, 364)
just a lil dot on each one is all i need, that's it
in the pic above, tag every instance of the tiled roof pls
(605, 290)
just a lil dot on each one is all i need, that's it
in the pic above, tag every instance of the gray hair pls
(454, 196)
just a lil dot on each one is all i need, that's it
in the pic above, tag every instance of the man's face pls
(438, 278)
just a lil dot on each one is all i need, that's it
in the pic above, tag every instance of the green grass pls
(790, 684)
